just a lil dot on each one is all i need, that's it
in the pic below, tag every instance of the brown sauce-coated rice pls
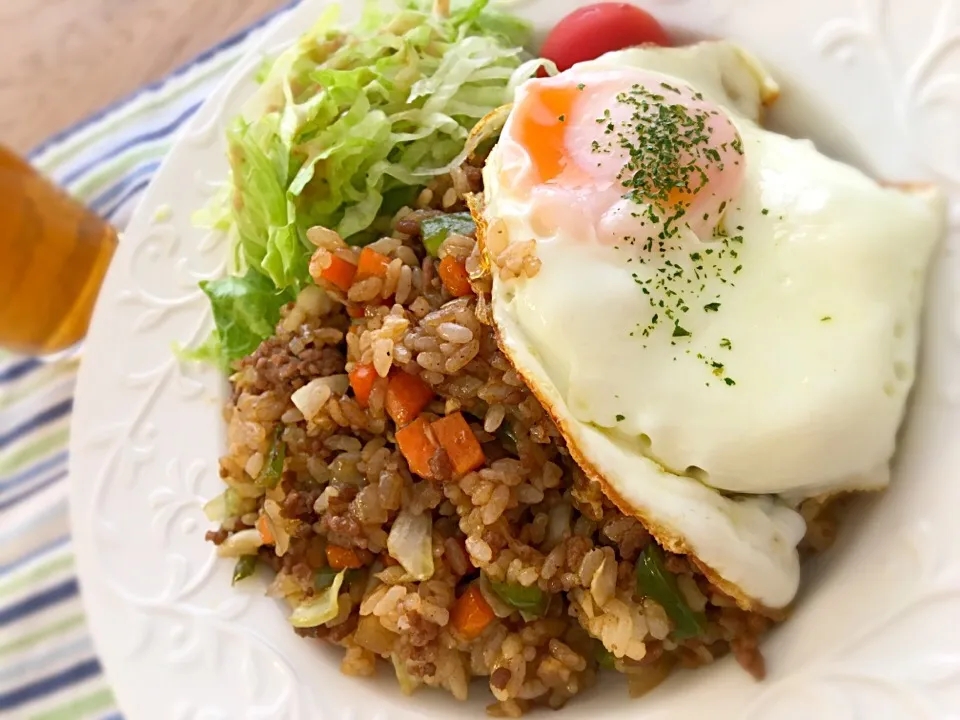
(529, 517)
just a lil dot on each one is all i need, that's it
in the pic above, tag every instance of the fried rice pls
(528, 518)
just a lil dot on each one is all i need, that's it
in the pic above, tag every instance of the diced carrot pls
(340, 273)
(455, 436)
(341, 558)
(372, 264)
(407, 396)
(455, 277)
(472, 613)
(362, 378)
(266, 534)
(417, 446)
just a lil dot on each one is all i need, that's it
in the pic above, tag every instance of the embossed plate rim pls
(870, 80)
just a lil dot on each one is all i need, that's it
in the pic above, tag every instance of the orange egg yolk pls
(602, 150)
(543, 128)
(542, 133)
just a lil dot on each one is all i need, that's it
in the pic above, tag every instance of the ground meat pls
(422, 661)
(312, 632)
(340, 501)
(500, 677)
(341, 632)
(421, 632)
(335, 634)
(633, 542)
(279, 369)
(474, 176)
(654, 652)
(440, 466)
(747, 653)
(577, 548)
(410, 224)
(267, 555)
(409, 227)
(298, 504)
(677, 564)
(343, 525)
(494, 539)
(217, 537)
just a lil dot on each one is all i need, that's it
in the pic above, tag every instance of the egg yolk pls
(626, 152)
(543, 129)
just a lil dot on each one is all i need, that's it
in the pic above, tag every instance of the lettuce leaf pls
(246, 310)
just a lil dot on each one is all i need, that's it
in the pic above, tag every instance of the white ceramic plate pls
(876, 632)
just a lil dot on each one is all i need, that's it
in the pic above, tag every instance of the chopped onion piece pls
(320, 608)
(245, 542)
(311, 398)
(411, 544)
(216, 509)
(558, 525)
(407, 682)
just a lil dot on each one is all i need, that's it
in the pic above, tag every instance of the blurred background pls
(61, 60)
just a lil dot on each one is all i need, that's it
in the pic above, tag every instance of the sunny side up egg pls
(723, 321)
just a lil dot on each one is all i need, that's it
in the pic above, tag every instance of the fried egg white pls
(722, 316)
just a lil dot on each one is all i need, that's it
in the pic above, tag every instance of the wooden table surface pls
(61, 60)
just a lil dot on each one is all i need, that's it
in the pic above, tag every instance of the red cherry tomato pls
(591, 31)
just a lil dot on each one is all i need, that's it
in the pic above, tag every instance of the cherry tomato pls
(591, 31)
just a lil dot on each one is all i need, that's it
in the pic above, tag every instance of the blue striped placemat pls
(48, 667)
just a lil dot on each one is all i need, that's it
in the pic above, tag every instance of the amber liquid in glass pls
(53, 256)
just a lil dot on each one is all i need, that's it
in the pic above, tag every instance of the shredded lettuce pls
(344, 120)
(345, 129)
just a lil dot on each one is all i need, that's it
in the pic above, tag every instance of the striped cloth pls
(48, 667)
